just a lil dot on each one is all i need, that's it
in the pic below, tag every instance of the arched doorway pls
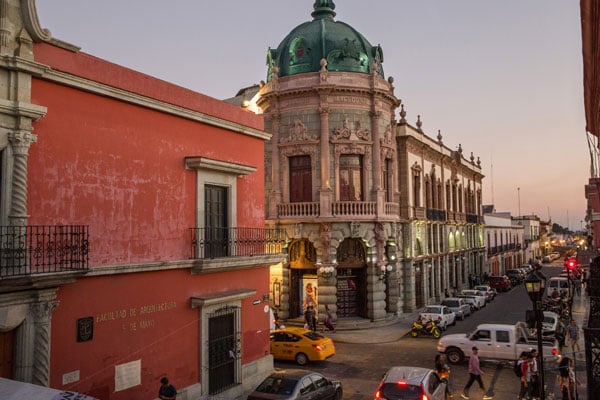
(351, 279)
(303, 277)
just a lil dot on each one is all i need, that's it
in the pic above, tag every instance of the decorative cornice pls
(32, 23)
(204, 163)
(101, 89)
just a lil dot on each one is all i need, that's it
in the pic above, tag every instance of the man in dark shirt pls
(166, 391)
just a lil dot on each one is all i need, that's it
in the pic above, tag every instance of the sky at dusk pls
(502, 78)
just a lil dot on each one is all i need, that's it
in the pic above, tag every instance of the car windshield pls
(313, 336)
(401, 390)
(277, 385)
(432, 310)
(450, 303)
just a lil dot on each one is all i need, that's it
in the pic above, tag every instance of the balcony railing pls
(210, 243)
(26, 250)
(307, 209)
(435, 214)
(354, 208)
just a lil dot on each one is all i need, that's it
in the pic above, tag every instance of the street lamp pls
(535, 283)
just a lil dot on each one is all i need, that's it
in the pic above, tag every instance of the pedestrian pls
(573, 336)
(534, 390)
(566, 379)
(446, 294)
(166, 390)
(443, 371)
(328, 321)
(577, 283)
(309, 318)
(524, 363)
(475, 373)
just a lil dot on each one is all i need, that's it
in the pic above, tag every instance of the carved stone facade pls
(356, 193)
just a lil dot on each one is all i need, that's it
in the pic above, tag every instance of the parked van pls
(560, 283)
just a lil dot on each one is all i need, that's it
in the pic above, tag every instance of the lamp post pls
(535, 283)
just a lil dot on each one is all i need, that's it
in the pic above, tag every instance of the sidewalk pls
(579, 310)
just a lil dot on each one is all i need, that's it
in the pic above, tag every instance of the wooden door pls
(7, 343)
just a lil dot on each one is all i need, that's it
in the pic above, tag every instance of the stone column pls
(20, 142)
(325, 192)
(41, 357)
(284, 306)
(275, 195)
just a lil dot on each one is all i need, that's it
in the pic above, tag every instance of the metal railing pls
(209, 243)
(38, 249)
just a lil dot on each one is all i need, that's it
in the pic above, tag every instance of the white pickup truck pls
(494, 341)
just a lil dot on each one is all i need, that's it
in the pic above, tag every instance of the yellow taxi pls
(301, 345)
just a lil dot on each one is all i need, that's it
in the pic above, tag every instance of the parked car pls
(489, 292)
(301, 345)
(408, 383)
(442, 315)
(479, 296)
(515, 276)
(500, 283)
(458, 306)
(494, 341)
(471, 300)
(297, 384)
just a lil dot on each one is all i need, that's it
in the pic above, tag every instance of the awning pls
(15, 390)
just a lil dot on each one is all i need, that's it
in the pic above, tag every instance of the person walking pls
(475, 373)
(534, 388)
(443, 371)
(309, 318)
(166, 390)
(566, 379)
(328, 321)
(525, 375)
(573, 336)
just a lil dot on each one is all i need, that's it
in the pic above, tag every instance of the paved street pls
(360, 366)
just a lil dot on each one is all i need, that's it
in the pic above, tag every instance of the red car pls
(500, 283)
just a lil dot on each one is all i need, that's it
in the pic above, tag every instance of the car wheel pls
(338, 394)
(301, 359)
(454, 322)
(454, 355)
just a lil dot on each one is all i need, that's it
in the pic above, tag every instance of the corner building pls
(132, 235)
(380, 218)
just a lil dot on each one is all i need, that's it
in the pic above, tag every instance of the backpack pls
(517, 368)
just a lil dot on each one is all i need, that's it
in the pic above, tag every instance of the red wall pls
(166, 342)
(120, 169)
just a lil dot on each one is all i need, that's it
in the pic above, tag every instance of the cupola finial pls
(323, 9)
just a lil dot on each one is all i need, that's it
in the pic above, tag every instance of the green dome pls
(342, 46)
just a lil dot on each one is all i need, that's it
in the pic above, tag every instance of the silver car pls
(297, 384)
(409, 383)
(460, 307)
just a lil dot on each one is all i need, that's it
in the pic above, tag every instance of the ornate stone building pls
(381, 218)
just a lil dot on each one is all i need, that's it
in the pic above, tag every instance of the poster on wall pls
(309, 292)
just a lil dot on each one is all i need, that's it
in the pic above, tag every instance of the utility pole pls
(519, 199)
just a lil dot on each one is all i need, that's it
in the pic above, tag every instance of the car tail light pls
(439, 318)
(377, 395)
(554, 352)
(318, 347)
(424, 396)
(401, 383)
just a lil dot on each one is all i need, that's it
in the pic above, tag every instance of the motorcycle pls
(426, 328)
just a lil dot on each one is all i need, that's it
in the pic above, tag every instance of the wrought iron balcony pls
(37, 249)
(434, 214)
(210, 243)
